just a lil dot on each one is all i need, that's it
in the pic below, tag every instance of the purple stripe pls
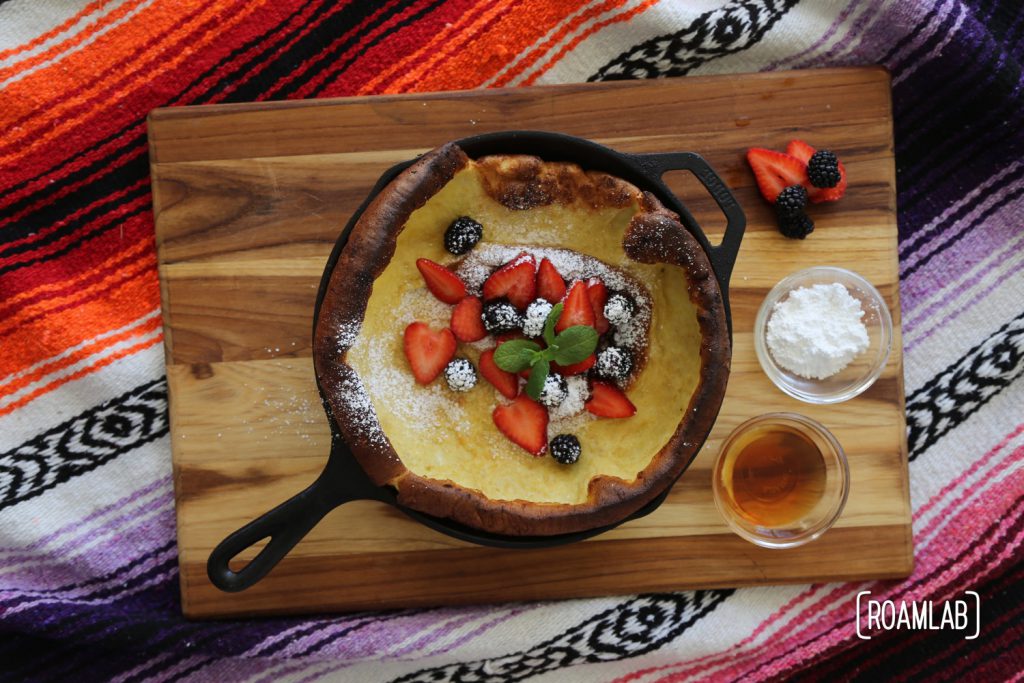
(843, 16)
(956, 312)
(106, 557)
(859, 27)
(78, 524)
(89, 536)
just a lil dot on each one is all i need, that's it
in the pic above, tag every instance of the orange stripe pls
(50, 368)
(439, 39)
(542, 49)
(48, 85)
(489, 52)
(68, 282)
(120, 275)
(39, 40)
(72, 41)
(586, 34)
(47, 337)
(80, 373)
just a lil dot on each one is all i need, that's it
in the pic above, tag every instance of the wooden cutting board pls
(249, 200)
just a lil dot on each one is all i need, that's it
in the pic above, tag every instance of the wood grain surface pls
(249, 200)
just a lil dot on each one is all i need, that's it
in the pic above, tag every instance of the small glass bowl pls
(803, 511)
(862, 372)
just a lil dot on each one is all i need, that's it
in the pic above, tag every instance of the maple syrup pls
(774, 475)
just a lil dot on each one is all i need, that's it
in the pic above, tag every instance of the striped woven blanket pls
(88, 573)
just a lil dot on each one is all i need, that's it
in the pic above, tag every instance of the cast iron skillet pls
(343, 480)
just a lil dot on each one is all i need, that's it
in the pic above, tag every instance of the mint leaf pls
(575, 344)
(515, 355)
(538, 376)
(549, 324)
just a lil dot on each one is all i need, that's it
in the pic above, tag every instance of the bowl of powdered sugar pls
(823, 335)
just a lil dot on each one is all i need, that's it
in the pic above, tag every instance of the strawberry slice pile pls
(573, 318)
(792, 179)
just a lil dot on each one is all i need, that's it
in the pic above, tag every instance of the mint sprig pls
(572, 345)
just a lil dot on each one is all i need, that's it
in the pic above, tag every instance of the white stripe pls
(25, 20)
(80, 46)
(54, 13)
(70, 350)
(82, 364)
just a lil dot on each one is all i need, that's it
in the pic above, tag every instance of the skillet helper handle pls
(723, 257)
(286, 525)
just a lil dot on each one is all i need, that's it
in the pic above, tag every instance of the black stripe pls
(736, 27)
(908, 38)
(83, 443)
(75, 243)
(340, 70)
(631, 628)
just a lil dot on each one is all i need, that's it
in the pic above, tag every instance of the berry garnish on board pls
(442, 283)
(460, 375)
(565, 449)
(607, 400)
(804, 152)
(428, 351)
(823, 169)
(775, 171)
(516, 281)
(791, 201)
(798, 226)
(467, 320)
(462, 235)
(525, 423)
(507, 383)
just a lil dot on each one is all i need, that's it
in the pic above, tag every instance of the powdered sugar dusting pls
(362, 415)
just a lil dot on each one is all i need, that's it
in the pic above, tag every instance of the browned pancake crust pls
(519, 182)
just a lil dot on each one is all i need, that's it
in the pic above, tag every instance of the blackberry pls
(462, 235)
(619, 309)
(796, 227)
(500, 316)
(791, 200)
(555, 390)
(536, 315)
(823, 169)
(614, 363)
(460, 375)
(565, 449)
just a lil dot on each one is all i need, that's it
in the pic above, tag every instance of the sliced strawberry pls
(775, 171)
(466, 322)
(577, 310)
(525, 423)
(598, 295)
(575, 368)
(802, 151)
(550, 284)
(798, 149)
(505, 382)
(516, 280)
(508, 336)
(607, 400)
(428, 351)
(442, 283)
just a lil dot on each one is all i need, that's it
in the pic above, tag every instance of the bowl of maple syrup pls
(780, 480)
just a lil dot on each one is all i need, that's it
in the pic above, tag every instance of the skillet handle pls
(723, 257)
(286, 525)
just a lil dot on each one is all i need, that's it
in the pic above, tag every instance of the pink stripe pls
(78, 524)
(844, 591)
(843, 16)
